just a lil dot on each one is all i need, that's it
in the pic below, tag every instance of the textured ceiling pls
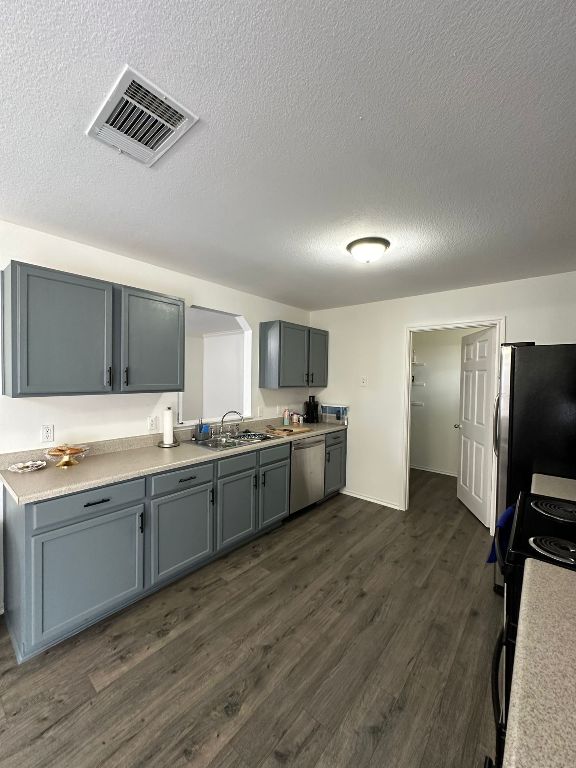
(447, 127)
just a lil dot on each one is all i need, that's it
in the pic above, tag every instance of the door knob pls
(457, 426)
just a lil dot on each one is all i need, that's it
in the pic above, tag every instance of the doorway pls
(452, 380)
(218, 366)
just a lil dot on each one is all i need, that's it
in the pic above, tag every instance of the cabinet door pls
(274, 496)
(318, 359)
(64, 333)
(236, 508)
(293, 355)
(82, 571)
(181, 531)
(335, 470)
(152, 342)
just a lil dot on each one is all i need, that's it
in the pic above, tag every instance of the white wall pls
(223, 374)
(433, 439)
(99, 417)
(370, 340)
(193, 395)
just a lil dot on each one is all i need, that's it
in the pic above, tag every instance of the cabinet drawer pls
(278, 453)
(67, 509)
(236, 464)
(335, 438)
(181, 479)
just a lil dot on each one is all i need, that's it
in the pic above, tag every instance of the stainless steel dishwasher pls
(307, 472)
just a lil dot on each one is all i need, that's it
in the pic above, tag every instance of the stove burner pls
(560, 510)
(557, 549)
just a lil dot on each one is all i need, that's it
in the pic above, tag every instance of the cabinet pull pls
(141, 518)
(212, 496)
(95, 503)
(328, 456)
(255, 481)
(312, 378)
(187, 479)
(263, 479)
(306, 377)
(125, 377)
(109, 377)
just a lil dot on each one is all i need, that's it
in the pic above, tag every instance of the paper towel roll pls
(168, 425)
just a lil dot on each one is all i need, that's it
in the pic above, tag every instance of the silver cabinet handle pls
(496, 425)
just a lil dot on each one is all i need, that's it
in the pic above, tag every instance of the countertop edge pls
(151, 469)
(542, 717)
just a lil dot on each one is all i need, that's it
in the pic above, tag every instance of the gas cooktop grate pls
(559, 510)
(558, 549)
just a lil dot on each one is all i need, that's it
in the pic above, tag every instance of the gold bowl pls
(66, 455)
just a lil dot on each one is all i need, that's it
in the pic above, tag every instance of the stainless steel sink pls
(223, 442)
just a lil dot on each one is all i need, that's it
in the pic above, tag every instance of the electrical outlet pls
(153, 424)
(47, 433)
(363, 381)
(260, 412)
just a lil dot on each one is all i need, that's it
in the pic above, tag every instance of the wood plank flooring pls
(355, 635)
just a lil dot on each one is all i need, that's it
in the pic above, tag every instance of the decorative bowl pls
(66, 455)
(27, 466)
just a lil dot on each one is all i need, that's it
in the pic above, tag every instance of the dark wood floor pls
(355, 636)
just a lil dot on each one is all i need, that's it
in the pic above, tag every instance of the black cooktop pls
(545, 529)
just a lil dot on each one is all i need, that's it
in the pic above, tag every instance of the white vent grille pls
(139, 120)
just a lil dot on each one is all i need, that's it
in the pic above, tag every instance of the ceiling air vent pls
(139, 120)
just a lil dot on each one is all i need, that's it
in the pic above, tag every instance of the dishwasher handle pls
(302, 445)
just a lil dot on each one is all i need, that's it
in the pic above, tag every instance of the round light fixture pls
(367, 249)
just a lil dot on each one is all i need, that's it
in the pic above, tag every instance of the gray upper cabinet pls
(236, 507)
(292, 355)
(318, 358)
(57, 333)
(274, 495)
(83, 571)
(65, 334)
(152, 342)
(181, 531)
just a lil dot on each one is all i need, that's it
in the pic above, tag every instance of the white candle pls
(168, 430)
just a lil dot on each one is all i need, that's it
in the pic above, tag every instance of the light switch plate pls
(364, 381)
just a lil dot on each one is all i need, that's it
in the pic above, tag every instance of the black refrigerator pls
(535, 416)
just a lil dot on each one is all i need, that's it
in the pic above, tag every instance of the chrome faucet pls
(227, 414)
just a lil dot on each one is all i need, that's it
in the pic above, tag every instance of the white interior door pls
(475, 426)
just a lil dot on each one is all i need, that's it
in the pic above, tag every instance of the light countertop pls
(542, 717)
(107, 468)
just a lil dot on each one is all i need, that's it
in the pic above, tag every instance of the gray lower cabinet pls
(57, 332)
(274, 493)
(181, 531)
(335, 467)
(236, 498)
(152, 342)
(85, 570)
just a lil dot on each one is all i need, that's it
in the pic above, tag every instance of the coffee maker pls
(311, 410)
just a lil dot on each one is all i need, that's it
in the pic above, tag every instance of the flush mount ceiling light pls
(367, 249)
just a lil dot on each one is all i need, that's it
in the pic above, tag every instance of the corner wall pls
(370, 340)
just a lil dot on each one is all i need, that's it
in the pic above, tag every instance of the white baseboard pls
(382, 502)
(436, 471)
